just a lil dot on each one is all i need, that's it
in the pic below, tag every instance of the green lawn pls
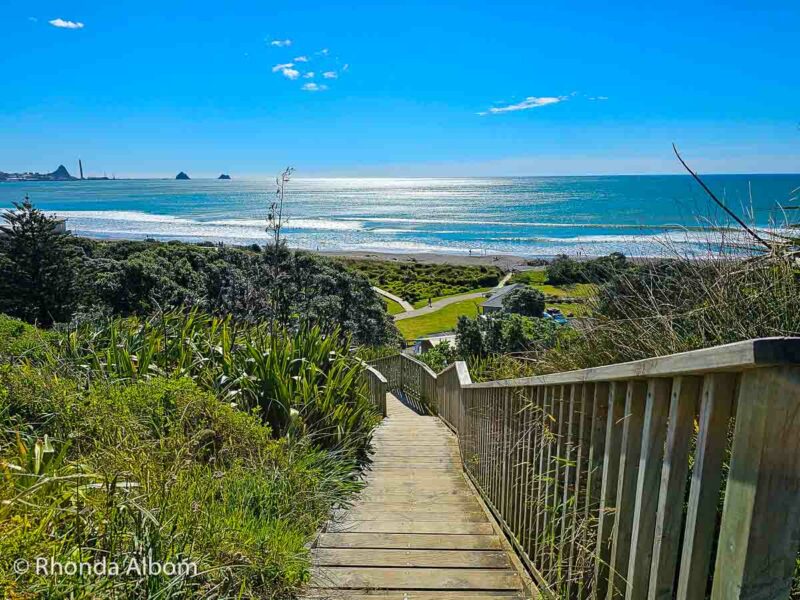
(577, 310)
(574, 290)
(538, 279)
(441, 320)
(391, 306)
(424, 302)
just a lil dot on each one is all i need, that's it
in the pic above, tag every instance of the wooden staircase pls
(418, 531)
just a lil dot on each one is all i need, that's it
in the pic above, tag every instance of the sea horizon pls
(536, 216)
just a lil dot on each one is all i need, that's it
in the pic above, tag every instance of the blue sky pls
(414, 88)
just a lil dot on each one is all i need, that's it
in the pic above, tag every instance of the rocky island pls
(60, 174)
(182, 175)
(224, 176)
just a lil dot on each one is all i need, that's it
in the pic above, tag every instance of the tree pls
(469, 338)
(525, 300)
(38, 264)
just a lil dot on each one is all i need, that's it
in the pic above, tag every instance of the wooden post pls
(760, 530)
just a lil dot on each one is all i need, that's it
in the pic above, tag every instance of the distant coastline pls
(526, 217)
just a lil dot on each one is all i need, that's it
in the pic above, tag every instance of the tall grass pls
(180, 438)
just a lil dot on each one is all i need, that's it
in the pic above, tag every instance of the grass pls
(538, 279)
(414, 281)
(577, 310)
(441, 320)
(424, 302)
(180, 438)
(392, 307)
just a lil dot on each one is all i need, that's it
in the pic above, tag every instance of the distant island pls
(224, 176)
(182, 175)
(60, 174)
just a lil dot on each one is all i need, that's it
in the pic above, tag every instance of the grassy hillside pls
(180, 438)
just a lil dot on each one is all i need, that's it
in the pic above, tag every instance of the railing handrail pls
(376, 373)
(588, 471)
(421, 364)
(737, 356)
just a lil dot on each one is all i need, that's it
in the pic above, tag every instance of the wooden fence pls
(378, 388)
(673, 477)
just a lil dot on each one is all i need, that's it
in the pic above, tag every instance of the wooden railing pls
(407, 376)
(673, 477)
(378, 388)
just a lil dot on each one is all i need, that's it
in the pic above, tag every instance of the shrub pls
(154, 469)
(301, 382)
(525, 301)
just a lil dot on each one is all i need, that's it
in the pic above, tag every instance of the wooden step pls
(409, 540)
(397, 526)
(357, 557)
(422, 578)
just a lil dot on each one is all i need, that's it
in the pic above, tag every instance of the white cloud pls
(528, 103)
(324, 52)
(598, 97)
(309, 75)
(301, 59)
(281, 43)
(62, 24)
(330, 75)
(313, 87)
(346, 66)
(286, 70)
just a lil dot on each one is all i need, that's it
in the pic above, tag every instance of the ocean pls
(525, 216)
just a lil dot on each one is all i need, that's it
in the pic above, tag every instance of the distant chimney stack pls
(80, 167)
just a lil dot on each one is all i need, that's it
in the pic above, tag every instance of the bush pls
(415, 281)
(157, 470)
(565, 270)
(504, 333)
(677, 305)
(48, 277)
(302, 383)
(525, 301)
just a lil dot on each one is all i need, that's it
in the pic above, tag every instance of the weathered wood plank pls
(409, 540)
(666, 545)
(358, 557)
(626, 486)
(328, 594)
(730, 357)
(761, 517)
(608, 492)
(412, 527)
(651, 458)
(698, 537)
(419, 515)
(409, 578)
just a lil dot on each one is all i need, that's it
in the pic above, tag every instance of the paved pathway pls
(406, 306)
(417, 531)
(439, 304)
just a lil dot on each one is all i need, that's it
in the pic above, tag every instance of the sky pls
(399, 88)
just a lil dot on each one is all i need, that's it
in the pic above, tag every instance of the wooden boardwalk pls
(418, 531)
